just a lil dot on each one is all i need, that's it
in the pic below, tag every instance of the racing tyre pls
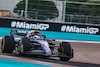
(7, 44)
(65, 48)
(24, 45)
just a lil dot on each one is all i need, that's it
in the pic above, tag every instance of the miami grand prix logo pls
(17, 24)
(75, 29)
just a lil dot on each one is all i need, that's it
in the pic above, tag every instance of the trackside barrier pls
(66, 32)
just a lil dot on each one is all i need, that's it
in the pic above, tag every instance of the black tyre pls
(7, 44)
(65, 48)
(24, 45)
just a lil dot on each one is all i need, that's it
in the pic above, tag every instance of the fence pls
(56, 11)
(82, 19)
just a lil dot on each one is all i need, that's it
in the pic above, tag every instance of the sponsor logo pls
(20, 31)
(41, 26)
(75, 29)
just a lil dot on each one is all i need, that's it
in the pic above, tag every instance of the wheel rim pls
(20, 47)
(3, 44)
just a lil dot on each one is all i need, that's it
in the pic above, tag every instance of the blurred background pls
(59, 11)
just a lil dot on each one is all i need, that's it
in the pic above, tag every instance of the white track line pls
(78, 41)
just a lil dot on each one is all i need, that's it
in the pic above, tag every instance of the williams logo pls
(75, 29)
(25, 25)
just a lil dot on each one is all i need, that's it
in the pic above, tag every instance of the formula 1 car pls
(28, 46)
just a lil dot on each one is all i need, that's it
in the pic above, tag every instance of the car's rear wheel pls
(24, 45)
(7, 44)
(65, 48)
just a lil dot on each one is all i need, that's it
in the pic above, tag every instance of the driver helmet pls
(35, 32)
(36, 37)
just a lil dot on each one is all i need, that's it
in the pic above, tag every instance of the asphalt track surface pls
(86, 55)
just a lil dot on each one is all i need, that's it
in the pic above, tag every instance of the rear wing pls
(18, 32)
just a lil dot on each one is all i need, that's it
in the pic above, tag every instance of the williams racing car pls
(35, 43)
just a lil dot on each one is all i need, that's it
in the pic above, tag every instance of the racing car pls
(29, 45)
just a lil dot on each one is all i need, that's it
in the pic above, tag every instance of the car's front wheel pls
(24, 45)
(65, 48)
